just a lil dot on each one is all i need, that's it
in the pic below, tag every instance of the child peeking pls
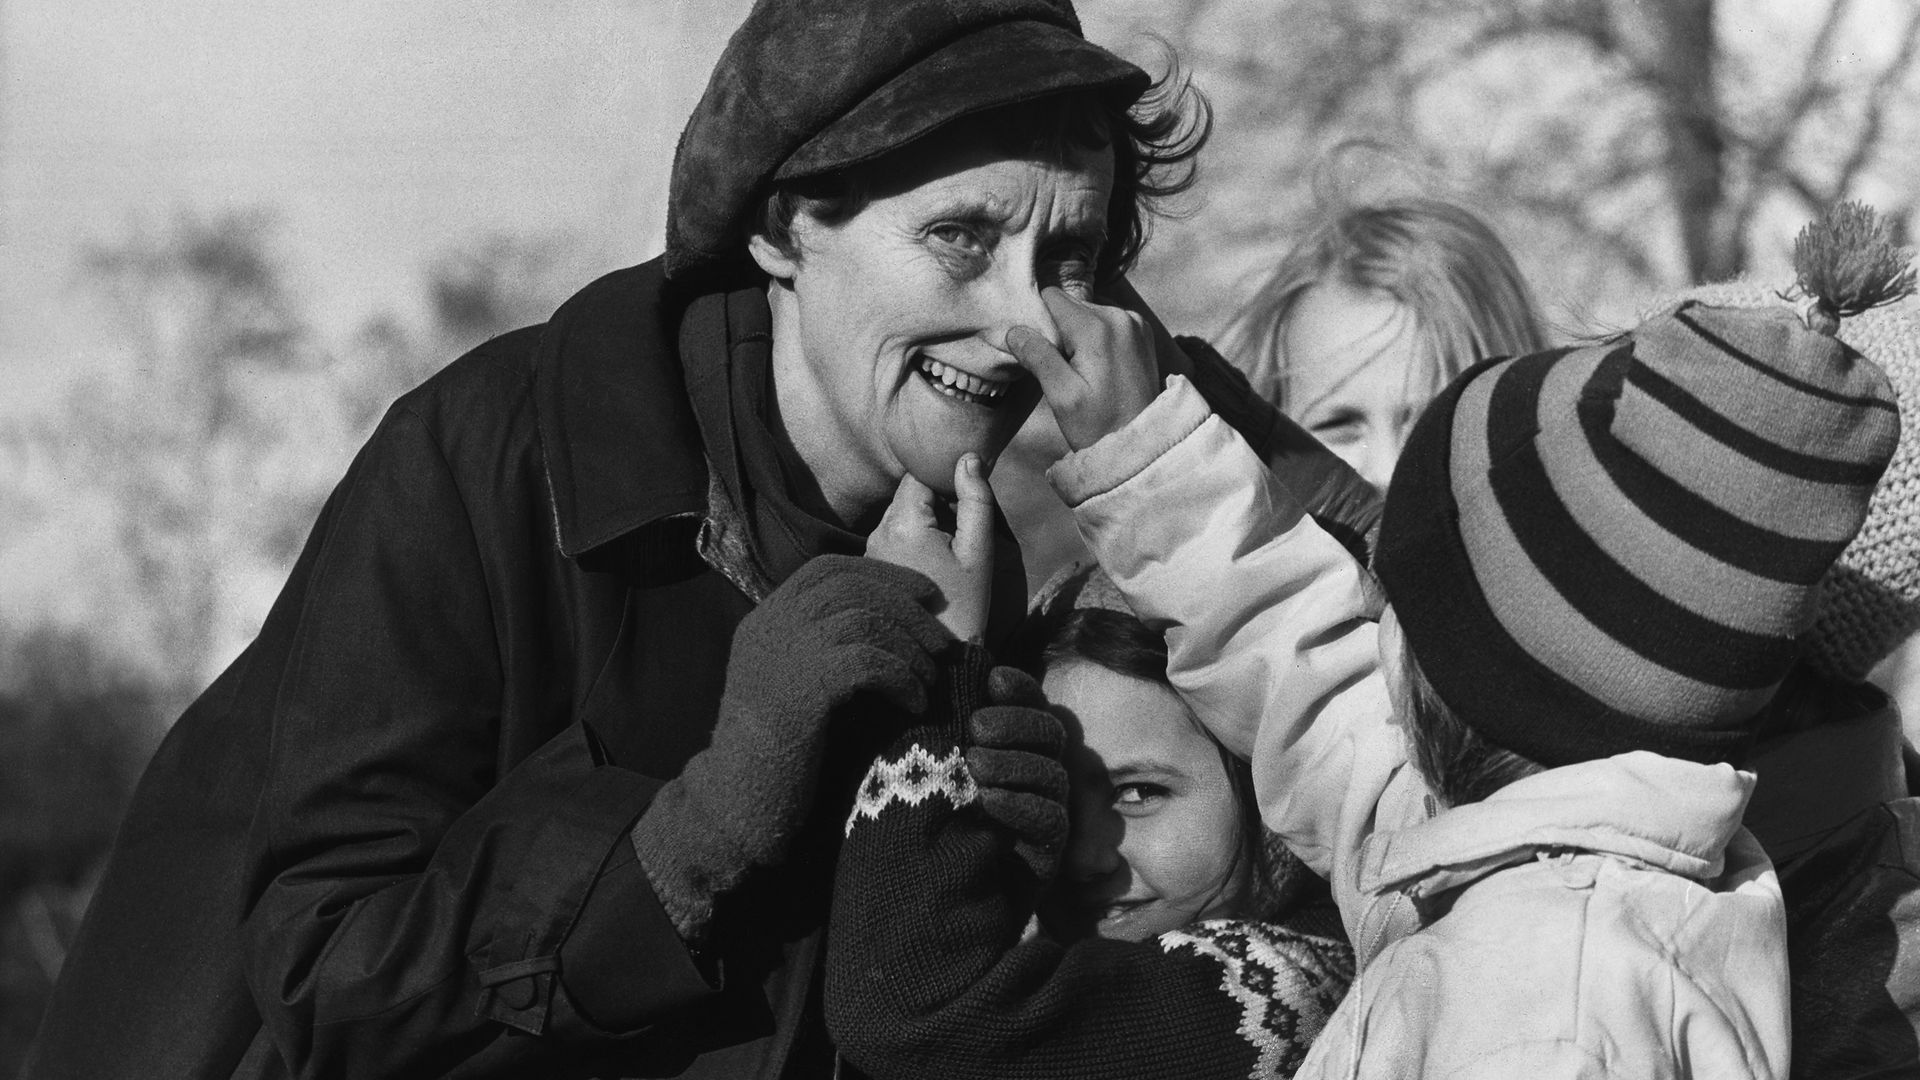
(1600, 562)
(1173, 936)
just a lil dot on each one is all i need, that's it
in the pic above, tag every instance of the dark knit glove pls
(839, 627)
(1015, 761)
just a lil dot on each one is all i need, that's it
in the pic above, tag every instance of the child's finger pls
(972, 514)
(1058, 380)
(1075, 317)
(912, 506)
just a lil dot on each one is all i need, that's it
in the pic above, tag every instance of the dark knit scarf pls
(726, 348)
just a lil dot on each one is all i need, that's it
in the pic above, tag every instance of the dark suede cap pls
(807, 87)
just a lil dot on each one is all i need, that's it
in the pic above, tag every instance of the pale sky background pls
(378, 131)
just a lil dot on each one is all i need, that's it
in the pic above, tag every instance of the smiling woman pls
(536, 766)
(527, 756)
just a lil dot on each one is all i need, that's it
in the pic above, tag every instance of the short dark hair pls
(1162, 134)
(1460, 765)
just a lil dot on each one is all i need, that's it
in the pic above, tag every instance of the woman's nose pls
(1013, 299)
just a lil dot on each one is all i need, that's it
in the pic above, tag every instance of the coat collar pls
(625, 469)
(1813, 780)
(1674, 815)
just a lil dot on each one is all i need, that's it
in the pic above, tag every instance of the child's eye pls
(1338, 430)
(1134, 796)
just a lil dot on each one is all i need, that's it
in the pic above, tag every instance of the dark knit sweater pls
(932, 969)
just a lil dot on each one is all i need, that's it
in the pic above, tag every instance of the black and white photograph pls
(962, 539)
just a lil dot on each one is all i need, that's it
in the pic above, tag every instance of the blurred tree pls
(208, 451)
(1624, 145)
(181, 441)
(211, 448)
(475, 290)
(77, 728)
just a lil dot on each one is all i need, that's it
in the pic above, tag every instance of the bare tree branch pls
(1878, 92)
(1812, 91)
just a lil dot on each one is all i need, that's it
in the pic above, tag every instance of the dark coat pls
(391, 839)
(395, 829)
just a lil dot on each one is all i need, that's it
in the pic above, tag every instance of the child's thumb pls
(972, 515)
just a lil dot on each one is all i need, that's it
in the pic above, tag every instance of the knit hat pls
(807, 87)
(1869, 603)
(1280, 878)
(1616, 547)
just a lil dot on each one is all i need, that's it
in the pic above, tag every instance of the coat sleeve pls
(931, 970)
(1269, 623)
(415, 895)
(1335, 496)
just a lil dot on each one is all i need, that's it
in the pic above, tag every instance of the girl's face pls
(1155, 822)
(1356, 379)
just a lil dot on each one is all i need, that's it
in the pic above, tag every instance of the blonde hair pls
(1456, 278)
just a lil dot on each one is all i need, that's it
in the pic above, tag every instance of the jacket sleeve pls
(932, 970)
(1269, 625)
(417, 886)
(1335, 496)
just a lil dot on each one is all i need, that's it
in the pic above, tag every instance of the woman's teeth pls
(953, 382)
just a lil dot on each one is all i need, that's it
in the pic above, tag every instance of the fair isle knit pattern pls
(913, 778)
(1284, 982)
(1870, 601)
(1627, 539)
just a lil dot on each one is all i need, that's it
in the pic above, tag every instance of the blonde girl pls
(1371, 314)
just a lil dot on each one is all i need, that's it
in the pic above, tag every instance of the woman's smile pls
(984, 391)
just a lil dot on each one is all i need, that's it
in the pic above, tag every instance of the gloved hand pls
(838, 627)
(1014, 757)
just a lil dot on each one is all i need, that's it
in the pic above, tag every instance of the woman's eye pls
(1073, 272)
(959, 237)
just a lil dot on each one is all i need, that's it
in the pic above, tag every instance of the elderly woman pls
(519, 777)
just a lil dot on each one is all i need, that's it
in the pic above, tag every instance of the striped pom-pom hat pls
(1616, 547)
(1870, 601)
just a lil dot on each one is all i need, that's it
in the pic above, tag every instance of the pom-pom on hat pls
(1617, 547)
(807, 87)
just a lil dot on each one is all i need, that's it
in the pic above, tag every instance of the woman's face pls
(1155, 822)
(1355, 377)
(889, 327)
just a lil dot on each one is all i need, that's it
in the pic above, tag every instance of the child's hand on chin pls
(961, 564)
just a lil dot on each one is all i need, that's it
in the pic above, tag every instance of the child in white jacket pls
(1600, 559)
